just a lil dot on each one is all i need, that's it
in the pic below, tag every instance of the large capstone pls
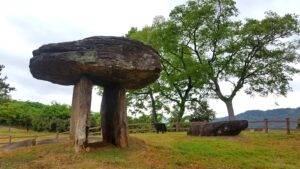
(104, 60)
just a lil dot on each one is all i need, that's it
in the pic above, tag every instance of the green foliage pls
(180, 77)
(258, 56)
(202, 112)
(39, 117)
(54, 117)
(145, 119)
(204, 48)
(18, 113)
(5, 88)
(95, 119)
(146, 99)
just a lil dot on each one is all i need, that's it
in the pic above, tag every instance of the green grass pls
(274, 150)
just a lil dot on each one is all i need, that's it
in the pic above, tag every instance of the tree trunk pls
(81, 107)
(114, 116)
(179, 117)
(154, 114)
(230, 110)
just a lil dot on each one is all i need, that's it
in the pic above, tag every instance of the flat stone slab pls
(15, 145)
(104, 59)
(29, 143)
(51, 141)
(223, 128)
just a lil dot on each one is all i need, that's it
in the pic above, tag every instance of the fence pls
(133, 128)
(266, 125)
(13, 139)
(149, 127)
(10, 138)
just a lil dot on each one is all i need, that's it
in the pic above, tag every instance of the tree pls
(40, 117)
(202, 112)
(4, 87)
(146, 98)
(137, 99)
(181, 79)
(94, 119)
(176, 85)
(258, 56)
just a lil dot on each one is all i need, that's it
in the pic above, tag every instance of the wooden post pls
(288, 131)
(266, 127)
(10, 139)
(81, 105)
(114, 116)
(33, 143)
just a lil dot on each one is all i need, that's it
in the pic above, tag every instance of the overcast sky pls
(26, 25)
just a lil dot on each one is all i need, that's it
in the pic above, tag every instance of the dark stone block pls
(223, 128)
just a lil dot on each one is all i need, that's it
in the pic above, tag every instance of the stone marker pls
(116, 63)
(223, 128)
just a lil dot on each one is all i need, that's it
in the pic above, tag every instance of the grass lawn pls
(274, 150)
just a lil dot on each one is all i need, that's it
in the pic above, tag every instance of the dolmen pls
(222, 128)
(115, 63)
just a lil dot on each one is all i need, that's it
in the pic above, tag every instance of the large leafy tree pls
(180, 78)
(257, 56)
(140, 101)
(5, 88)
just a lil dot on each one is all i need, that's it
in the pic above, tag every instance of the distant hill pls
(275, 114)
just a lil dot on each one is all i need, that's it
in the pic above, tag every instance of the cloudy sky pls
(26, 25)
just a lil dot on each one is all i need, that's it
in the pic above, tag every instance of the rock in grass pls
(15, 145)
(223, 128)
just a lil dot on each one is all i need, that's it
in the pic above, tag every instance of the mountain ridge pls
(272, 114)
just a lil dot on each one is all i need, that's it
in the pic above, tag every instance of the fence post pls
(298, 125)
(266, 127)
(288, 131)
(34, 141)
(10, 138)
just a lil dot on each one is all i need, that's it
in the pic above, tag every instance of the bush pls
(201, 112)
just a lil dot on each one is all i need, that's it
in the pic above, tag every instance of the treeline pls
(38, 116)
